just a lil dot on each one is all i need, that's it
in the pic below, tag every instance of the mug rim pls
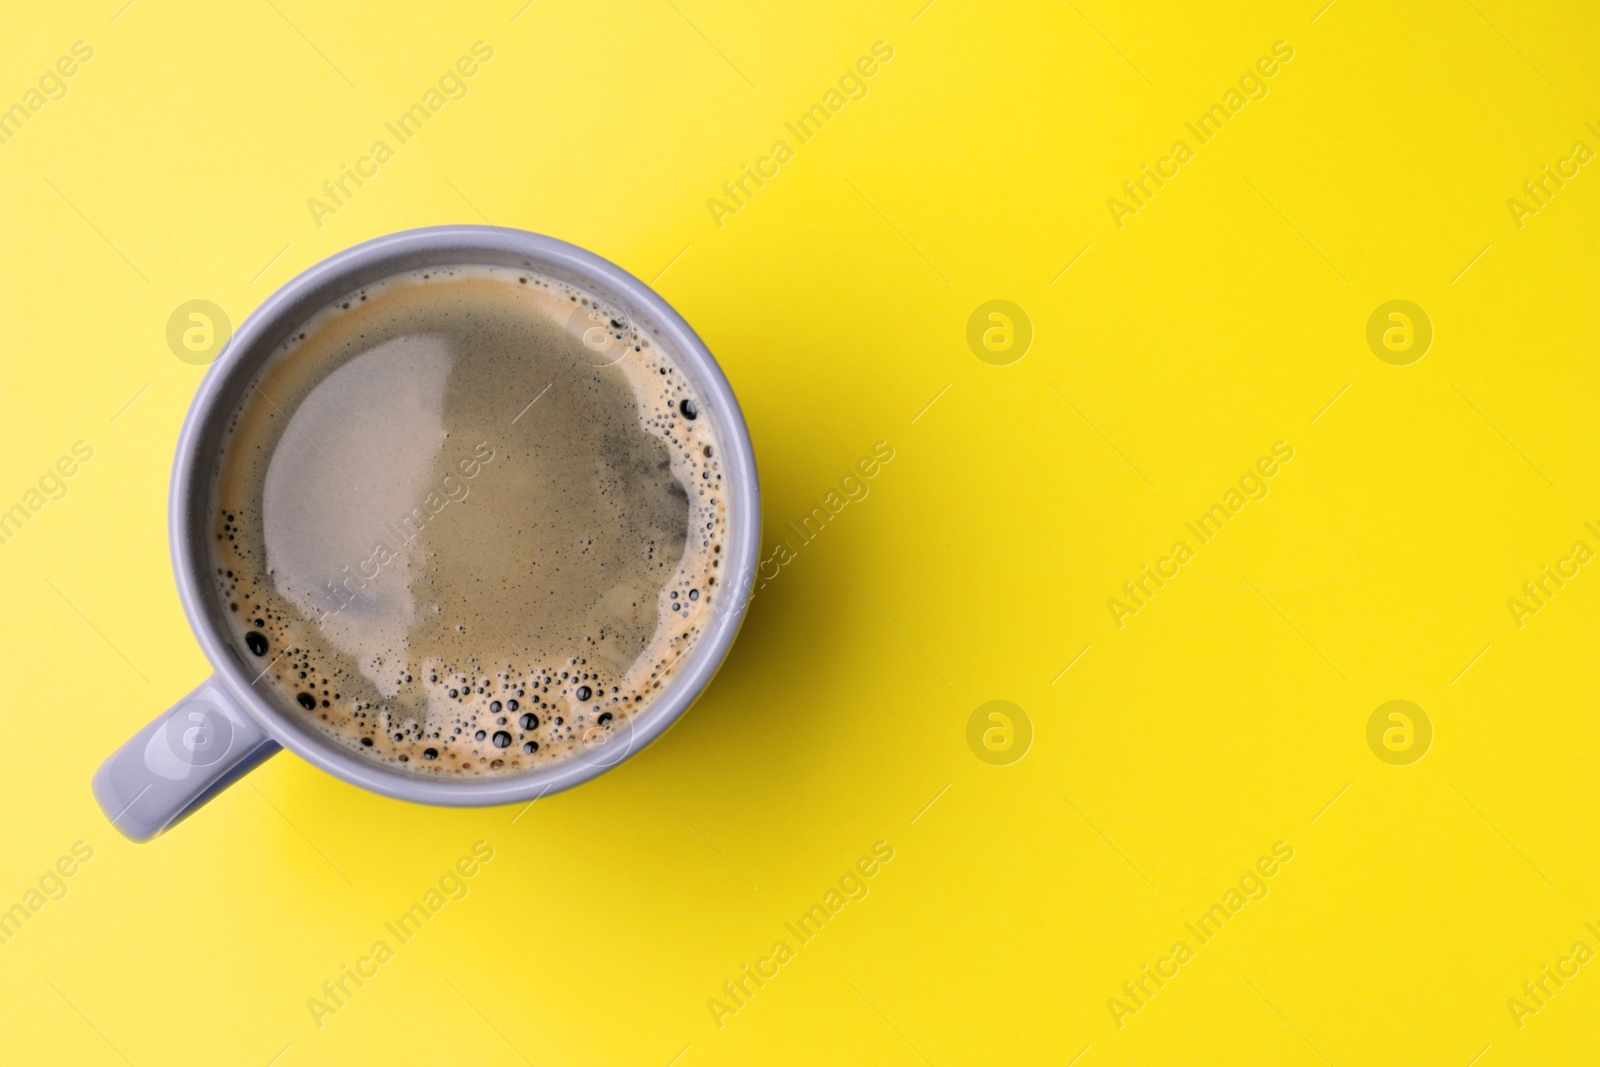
(287, 308)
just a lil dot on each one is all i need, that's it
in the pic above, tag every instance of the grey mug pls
(227, 726)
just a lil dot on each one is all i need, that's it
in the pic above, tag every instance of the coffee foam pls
(468, 521)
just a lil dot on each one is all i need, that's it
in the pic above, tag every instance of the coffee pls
(468, 521)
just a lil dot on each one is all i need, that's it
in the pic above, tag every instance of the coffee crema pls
(468, 521)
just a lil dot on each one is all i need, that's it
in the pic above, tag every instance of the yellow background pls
(1228, 714)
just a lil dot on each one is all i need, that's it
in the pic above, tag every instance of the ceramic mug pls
(228, 726)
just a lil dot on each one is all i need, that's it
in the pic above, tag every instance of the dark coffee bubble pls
(307, 701)
(257, 642)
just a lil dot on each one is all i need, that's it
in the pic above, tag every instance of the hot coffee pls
(468, 521)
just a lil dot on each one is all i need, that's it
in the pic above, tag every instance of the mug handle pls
(199, 747)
